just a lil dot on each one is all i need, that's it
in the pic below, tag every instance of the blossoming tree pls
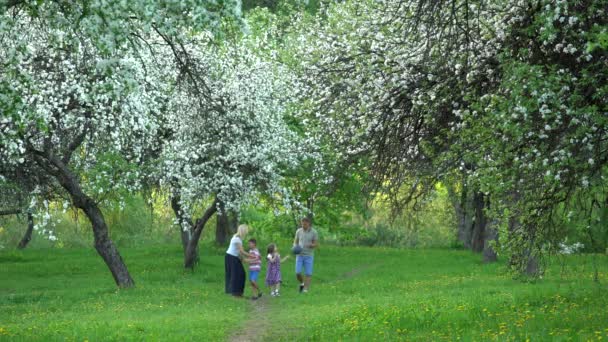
(432, 90)
(83, 85)
(235, 144)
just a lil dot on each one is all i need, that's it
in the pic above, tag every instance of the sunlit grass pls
(442, 294)
(357, 294)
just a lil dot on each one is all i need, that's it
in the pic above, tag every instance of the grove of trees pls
(308, 106)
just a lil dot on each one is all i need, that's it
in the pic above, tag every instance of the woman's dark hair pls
(271, 248)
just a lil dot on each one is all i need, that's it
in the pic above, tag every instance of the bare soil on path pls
(255, 328)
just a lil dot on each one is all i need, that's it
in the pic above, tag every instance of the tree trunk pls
(185, 223)
(491, 234)
(103, 244)
(532, 265)
(463, 210)
(27, 237)
(191, 255)
(523, 259)
(226, 225)
(477, 236)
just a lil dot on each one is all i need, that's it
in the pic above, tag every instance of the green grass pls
(358, 294)
(69, 294)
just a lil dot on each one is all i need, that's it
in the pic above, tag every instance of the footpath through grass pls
(357, 294)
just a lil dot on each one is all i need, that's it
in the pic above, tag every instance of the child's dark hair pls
(255, 242)
(271, 248)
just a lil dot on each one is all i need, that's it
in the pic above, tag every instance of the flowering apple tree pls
(509, 94)
(82, 87)
(233, 145)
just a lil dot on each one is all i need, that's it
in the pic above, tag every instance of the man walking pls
(307, 238)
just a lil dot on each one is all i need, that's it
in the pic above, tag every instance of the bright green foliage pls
(538, 136)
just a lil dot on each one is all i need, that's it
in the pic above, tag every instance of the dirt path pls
(256, 327)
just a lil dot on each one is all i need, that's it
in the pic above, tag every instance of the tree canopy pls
(503, 104)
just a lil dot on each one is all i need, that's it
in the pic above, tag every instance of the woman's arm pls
(242, 251)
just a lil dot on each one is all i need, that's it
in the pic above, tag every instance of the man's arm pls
(315, 242)
(295, 239)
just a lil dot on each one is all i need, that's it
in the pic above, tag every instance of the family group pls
(304, 244)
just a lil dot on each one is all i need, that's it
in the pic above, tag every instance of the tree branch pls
(10, 212)
(76, 143)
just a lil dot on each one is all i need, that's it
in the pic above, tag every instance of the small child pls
(255, 266)
(273, 273)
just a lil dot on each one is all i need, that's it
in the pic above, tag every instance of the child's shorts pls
(253, 275)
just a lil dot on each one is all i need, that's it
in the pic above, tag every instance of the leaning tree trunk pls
(225, 225)
(191, 255)
(27, 237)
(103, 244)
(477, 237)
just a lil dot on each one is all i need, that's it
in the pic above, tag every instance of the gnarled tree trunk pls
(103, 244)
(191, 254)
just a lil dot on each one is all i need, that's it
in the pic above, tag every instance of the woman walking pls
(235, 272)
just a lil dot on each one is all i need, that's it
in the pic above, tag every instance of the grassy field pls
(357, 294)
